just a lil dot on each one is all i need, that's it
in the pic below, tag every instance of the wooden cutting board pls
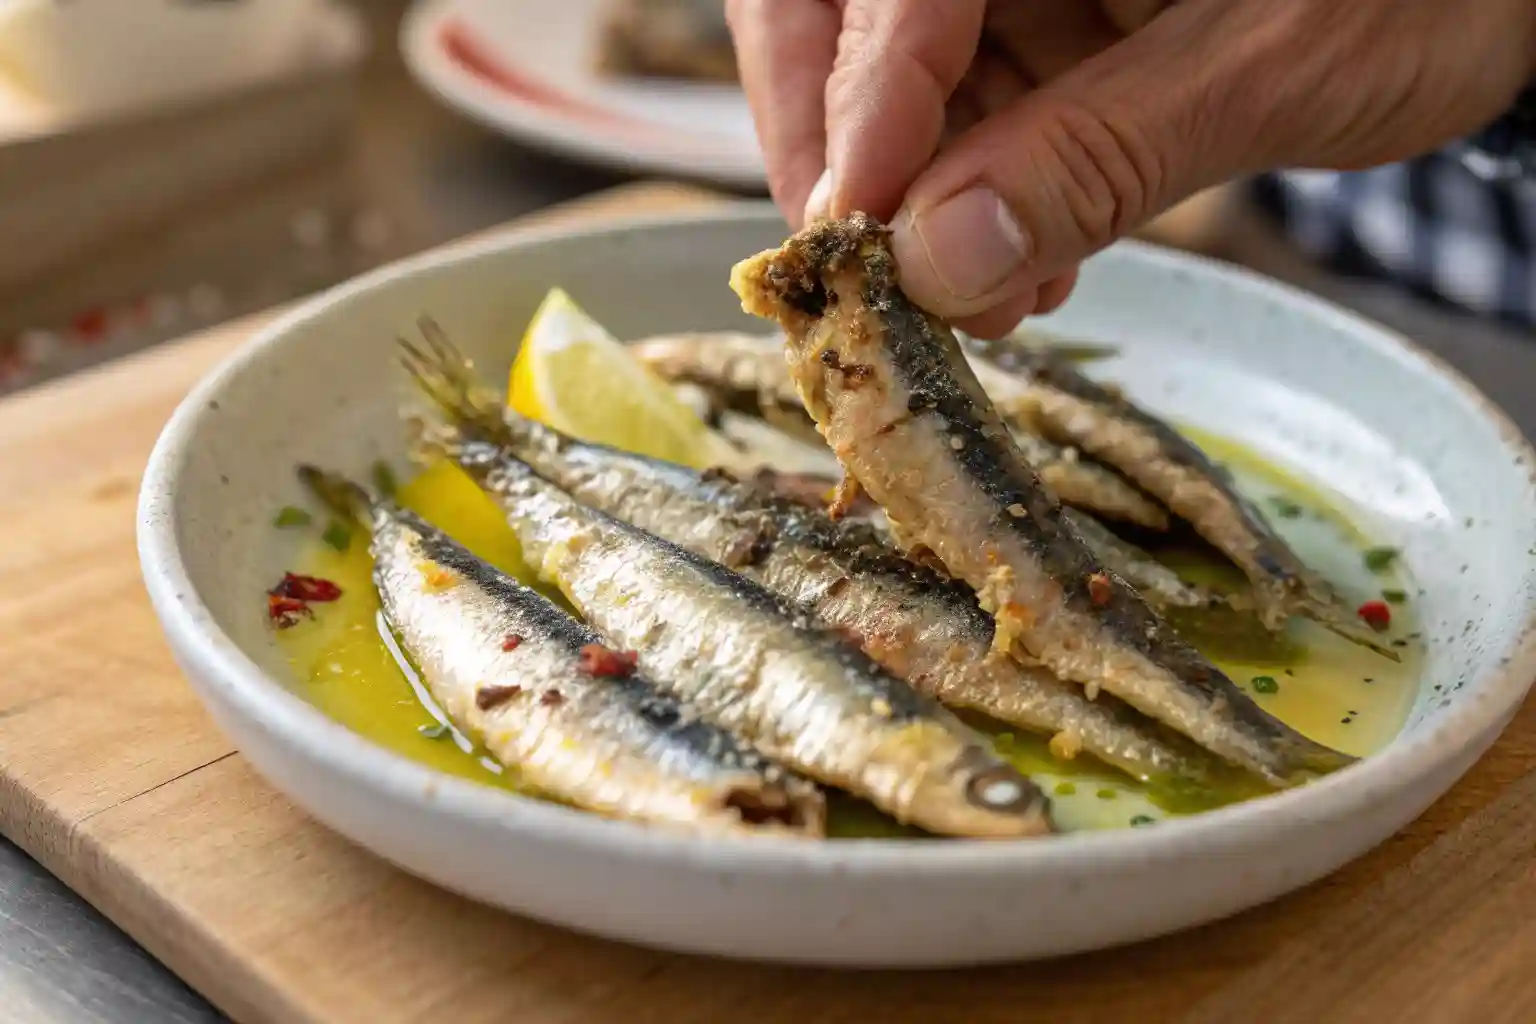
(112, 776)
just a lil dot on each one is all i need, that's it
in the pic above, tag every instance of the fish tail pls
(343, 497)
(1309, 756)
(447, 378)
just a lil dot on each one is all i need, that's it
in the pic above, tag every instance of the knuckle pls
(1108, 174)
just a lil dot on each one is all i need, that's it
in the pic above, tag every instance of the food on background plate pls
(678, 39)
(835, 582)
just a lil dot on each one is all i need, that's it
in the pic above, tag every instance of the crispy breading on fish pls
(510, 668)
(897, 402)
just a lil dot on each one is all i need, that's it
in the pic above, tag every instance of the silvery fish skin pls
(897, 402)
(917, 625)
(1160, 585)
(506, 665)
(748, 663)
(747, 373)
(1055, 399)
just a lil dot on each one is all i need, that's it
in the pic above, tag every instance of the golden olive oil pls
(1336, 692)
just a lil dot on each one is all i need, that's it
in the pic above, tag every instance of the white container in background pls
(99, 56)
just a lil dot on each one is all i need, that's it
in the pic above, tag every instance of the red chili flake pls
(599, 661)
(551, 698)
(511, 642)
(286, 611)
(306, 588)
(1100, 590)
(90, 325)
(488, 697)
(1377, 614)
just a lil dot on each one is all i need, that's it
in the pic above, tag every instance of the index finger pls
(899, 62)
(785, 50)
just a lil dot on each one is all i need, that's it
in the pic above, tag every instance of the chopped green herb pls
(1106, 794)
(384, 479)
(1142, 819)
(1266, 684)
(433, 732)
(337, 536)
(1380, 559)
(1395, 596)
(1285, 508)
(290, 516)
(1065, 789)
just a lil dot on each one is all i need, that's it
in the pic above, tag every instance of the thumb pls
(1066, 169)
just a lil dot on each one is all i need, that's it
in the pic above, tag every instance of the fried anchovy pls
(899, 405)
(747, 373)
(926, 629)
(508, 666)
(752, 664)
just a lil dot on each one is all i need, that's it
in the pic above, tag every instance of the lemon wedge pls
(573, 375)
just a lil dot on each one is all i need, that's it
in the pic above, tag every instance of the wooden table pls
(112, 776)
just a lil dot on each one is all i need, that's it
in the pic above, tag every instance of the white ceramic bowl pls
(1436, 469)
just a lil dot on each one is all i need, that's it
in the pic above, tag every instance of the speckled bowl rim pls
(268, 704)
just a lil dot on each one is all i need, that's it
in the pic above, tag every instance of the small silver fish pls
(897, 402)
(751, 664)
(925, 629)
(1060, 402)
(743, 373)
(550, 699)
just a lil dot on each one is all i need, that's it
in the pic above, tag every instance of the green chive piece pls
(1065, 789)
(433, 732)
(384, 479)
(1106, 794)
(1380, 559)
(1395, 596)
(1285, 508)
(1266, 684)
(1142, 819)
(337, 536)
(290, 516)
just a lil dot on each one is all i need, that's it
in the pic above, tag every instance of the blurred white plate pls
(526, 68)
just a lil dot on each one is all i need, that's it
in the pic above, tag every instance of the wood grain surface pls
(113, 777)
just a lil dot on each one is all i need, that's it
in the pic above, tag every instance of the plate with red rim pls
(527, 69)
(1314, 388)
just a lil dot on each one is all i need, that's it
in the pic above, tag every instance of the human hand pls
(1006, 141)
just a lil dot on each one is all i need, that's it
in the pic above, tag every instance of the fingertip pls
(818, 204)
(1001, 319)
(1055, 292)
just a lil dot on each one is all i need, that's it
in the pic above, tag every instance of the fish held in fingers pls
(549, 699)
(897, 402)
(747, 373)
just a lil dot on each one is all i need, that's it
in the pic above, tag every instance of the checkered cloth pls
(1430, 225)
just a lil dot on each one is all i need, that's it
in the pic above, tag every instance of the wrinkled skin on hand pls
(1006, 141)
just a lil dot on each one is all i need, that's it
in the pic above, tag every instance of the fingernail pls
(820, 198)
(969, 244)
